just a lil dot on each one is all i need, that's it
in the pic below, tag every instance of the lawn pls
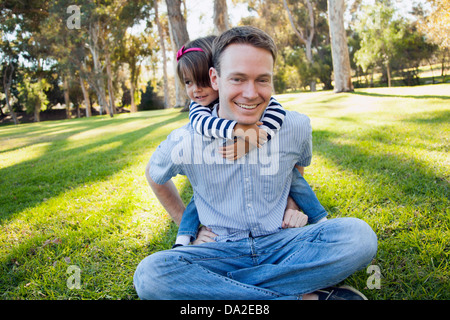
(77, 216)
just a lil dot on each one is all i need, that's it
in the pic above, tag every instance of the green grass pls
(73, 192)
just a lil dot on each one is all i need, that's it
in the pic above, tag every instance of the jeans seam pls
(318, 234)
(233, 281)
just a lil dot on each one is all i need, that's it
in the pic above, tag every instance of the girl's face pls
(202, 95)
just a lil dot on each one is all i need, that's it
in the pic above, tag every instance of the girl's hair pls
(195, 64)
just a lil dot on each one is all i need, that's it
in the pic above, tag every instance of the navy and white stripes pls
(209, 126)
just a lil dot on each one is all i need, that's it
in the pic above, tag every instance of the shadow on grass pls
(402, 198)
(58, 130)
(167, 240)
(400, 177)
(32, 182)
(381, 95)
(436, 117)
(102, 252)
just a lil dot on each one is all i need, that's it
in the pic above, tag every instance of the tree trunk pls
(87, 102)
(388, 71)
(97, 82)
(112, 105)
(220, 16)
(37, 106)
(179, 35)
(163, 50)
(444, 58)
(66, 97)
(339, 47)
(133, 107)
(6, 87)
(37, 111)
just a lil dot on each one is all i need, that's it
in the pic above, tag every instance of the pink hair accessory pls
(181, 52)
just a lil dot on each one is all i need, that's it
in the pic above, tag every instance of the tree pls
(23, 19)
(179, 36)
(8, 71)
(436, 27)
(133, 50)
(380, 35)
(220, 16)
(293, 70)
(32, 94)
(304, 33)
(339, 48)
(164, 56)
(8, 51)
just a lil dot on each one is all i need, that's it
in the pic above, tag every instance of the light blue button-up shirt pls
(236, 198)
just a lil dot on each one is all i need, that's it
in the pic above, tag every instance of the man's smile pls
(247, 106)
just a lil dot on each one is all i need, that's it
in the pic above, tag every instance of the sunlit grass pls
(73, 192)
(383, 155)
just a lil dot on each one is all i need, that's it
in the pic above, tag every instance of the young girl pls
(194, 61)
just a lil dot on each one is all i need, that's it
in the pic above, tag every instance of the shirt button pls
(249, 205)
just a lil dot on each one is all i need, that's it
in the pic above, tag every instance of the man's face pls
(245, 83)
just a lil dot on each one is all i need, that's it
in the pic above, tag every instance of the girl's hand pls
(204, 235)
(252, 134)
(294, 219)
(248, 138)
(236, 150)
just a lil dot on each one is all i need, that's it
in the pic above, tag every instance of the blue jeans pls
(300, 192)
(305, 198)
(283, 265)
(189, 221)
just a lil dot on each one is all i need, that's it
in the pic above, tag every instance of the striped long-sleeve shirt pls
(213, 127)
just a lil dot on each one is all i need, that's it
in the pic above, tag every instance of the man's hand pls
(294, 219)
(204, 235)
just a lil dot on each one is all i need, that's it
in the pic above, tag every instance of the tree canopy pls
(99, 57)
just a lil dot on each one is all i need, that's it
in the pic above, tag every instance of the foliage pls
(379, 35)
(149, 99)
(32, 93)
(391, 44)
(436, 26)
(105, 54)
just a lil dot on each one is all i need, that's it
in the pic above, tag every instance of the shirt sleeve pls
(205, 124)
(304, 131)
(163, 163)
(273, 118)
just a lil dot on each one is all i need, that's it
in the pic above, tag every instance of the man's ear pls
(213, 76)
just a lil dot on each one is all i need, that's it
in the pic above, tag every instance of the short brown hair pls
(196, 64)
(242, 35)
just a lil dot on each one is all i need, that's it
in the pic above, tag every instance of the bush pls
(150, 100)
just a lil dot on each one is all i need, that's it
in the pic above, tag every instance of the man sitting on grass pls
(243, 203)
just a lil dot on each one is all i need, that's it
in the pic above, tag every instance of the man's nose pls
(250, 91)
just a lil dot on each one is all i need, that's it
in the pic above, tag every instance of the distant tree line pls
(87, 53)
